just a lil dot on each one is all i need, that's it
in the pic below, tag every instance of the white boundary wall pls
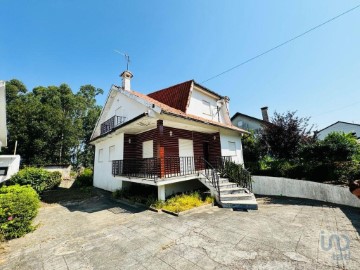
(276, 186)
(12, 163)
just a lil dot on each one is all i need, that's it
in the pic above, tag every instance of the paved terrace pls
(101, 234)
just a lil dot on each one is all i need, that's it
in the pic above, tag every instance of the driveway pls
(101, 234)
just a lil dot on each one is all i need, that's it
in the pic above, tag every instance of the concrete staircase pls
(232, 196)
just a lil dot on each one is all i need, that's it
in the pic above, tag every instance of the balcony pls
(167, 167)
(112, 123)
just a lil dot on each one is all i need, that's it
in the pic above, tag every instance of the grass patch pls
(183, 202)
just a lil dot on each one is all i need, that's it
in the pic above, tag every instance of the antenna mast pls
(127, 58)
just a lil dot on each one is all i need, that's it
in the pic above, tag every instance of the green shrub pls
(39, 179)
(183, 202)
(85, 179)
(18, 207)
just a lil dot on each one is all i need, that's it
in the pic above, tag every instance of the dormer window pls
(206, 107)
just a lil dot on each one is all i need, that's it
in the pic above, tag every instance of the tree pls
(252, 151)
(52, 124)
(285, 134)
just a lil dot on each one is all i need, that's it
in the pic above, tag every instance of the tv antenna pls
(127, 58)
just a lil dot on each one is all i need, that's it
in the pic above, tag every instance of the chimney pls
(264, 112)
(126, 78)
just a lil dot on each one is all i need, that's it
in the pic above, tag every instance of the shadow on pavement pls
(87, 200)
(352, 213)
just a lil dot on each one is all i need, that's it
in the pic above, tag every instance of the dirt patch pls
(71, 194)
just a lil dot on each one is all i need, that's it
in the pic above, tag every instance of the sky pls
(318, 75)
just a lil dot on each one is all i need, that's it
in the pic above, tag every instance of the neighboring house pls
(250, 123)
(9, 165)
(339, 126)
(172, 139)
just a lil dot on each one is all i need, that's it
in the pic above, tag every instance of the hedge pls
(18, 207)
(39, 179)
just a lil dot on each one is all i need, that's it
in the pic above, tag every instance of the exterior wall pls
(180, 187)
(276, 186)
(129, 108)
(65, 171)
(340, 127)
(171, 143)
(225, 138)
(196, 106)
(3, 130)
(247, 123)
(103, 177)
(12, 163)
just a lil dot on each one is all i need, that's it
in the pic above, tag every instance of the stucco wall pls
(340, 127)
(103, 177)
(224, 140)
(276, 186)
(12, 163)
(196, 106)
(182, 187)
(247, 123)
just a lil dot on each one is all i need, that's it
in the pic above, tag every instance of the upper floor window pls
(206, 107)
(148, 149)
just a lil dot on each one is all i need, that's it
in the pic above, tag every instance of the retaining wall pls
(277, 186)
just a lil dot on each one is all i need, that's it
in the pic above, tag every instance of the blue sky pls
(51, 42)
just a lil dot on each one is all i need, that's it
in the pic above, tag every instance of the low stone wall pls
(277, 186)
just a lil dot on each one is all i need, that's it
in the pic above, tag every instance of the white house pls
(251, 123)
(173, 139)
(339, 126)
(9, 165)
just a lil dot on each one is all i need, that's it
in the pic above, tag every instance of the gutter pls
(207, 123)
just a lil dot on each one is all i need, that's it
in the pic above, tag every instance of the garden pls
(287, 148)
(146, 196)
(21, 195)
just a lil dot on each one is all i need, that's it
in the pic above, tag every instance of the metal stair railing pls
(212, 175)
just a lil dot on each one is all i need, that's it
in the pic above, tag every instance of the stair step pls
(237, 197)
(233, 190)
(227, 185)
(243, 204)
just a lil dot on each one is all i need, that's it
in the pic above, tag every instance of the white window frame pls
(150, 146)
(232, 148)
(111, 152)
(101, 155)
(206, 107)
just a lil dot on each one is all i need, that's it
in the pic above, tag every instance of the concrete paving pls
(100, 234)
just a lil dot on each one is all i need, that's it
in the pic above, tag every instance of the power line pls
(282, 44)
(337, 109)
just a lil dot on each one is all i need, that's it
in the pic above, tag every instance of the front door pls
(186, 156)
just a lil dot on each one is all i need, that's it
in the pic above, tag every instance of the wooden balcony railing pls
(111, 123)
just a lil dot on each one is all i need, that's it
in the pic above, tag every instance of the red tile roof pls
(176, 112)
(175, 96)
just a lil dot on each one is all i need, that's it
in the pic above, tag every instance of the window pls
(232, 149)
(3, 171)
(148, 150)
(206, 107)
(100, 156)
(111, 152)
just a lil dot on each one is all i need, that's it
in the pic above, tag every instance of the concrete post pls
(161, 193)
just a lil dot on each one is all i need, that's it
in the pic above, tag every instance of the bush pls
(18, 207)
(183, 202)
(39, 179)
(85, 179)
